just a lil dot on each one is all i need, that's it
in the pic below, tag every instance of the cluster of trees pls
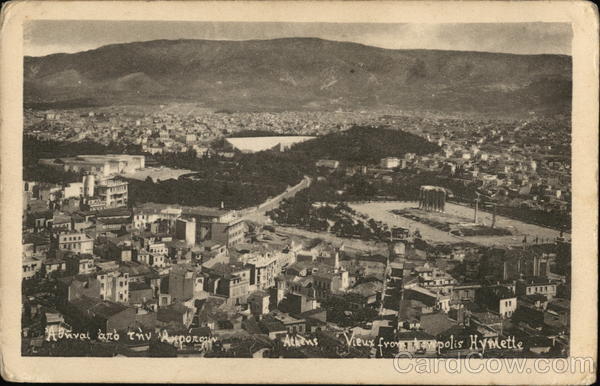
(335, 216)
(243, 181)
(365, 231)
(552, 218)
(257, 133)
(365, 145)
(37, 285)
(300, 211)
(49, 174)
(266, 168)
(36, 149)
(208, 192)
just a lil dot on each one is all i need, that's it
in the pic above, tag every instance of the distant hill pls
(300, 73)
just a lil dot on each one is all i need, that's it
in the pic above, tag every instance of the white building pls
(390, 162)
(78, 242)
(103, 165)
(507, 306)
(114, 286)
(113, 191)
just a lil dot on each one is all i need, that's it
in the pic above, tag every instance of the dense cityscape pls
(176, 230)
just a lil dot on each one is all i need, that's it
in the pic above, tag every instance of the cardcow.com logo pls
(474, 363)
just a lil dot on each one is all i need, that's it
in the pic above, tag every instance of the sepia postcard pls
(375, 192)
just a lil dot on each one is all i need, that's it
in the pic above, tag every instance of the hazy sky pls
(43, 37)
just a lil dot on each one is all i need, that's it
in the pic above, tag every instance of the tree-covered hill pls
(364, 145)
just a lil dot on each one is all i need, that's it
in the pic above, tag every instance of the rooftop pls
(271, 325)
(113, 212)
(104, 309)
(437, 323)
(536, 281)
(204, 211)
(411, 335)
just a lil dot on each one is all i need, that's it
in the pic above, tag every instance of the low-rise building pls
(498, 299)
(229, 280)
(50, 266)
(78, 242)
(390, 162)
(532, 286)
(80, 264)
(31, 266)
(259, 302)
(327, 163)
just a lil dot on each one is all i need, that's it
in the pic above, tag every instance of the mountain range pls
(300, 74)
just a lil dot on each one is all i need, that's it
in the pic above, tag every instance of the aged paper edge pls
(583, 17)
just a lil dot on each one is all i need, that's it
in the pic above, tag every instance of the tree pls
(347, 229)
(417, 234)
